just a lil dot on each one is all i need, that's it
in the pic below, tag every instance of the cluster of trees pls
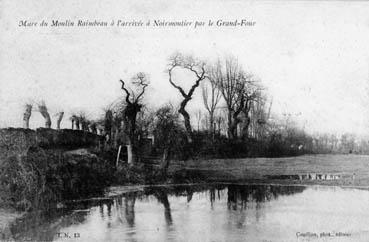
(42, 108)
(224, 83)
(79, 120)
(237, 120)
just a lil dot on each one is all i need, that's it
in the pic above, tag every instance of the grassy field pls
(352, 170)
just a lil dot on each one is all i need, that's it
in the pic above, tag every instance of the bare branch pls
(126, 91)
(198, 68)
(142, 82)
(174, 85)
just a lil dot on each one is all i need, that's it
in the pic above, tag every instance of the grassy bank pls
(352, 169)
(42, 178)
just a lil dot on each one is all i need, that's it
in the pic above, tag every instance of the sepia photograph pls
(188, 121)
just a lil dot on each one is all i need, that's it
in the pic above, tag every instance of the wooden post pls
(129, 154)
(119, 149)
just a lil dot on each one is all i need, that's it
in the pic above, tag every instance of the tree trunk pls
(26, 116)
(77, 124)
(165, 161)
(129, 120)
(230, 128)
(212, 129)
(47, 120)
(245, 128)
(233, 122)
(116, 136)
(131, 132)
(187, 121)
(232, 132)
(72, 123)
(219, 128)
(45, 114)
(58, 121)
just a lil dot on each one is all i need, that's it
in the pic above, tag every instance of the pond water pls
(207, 213)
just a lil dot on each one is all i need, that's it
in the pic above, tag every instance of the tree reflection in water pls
(189, 195)
(119, 211)
(129, 204)
(212, 197)
(240, 195)
(162, 197)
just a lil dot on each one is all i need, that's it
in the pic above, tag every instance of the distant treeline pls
(343, 144)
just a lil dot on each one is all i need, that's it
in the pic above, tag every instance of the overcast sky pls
(313, 57)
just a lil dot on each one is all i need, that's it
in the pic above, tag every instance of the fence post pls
(120, 147)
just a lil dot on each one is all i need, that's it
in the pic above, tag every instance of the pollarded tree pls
(27, 115)
(60, 116)
(234, 84)
(44, 112)
(197, 69)
(133, 105)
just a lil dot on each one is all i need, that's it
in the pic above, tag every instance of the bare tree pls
(195, 67)
(211, 95)
(133, 105)
(27, 115)
(233, 83)
(44, 112)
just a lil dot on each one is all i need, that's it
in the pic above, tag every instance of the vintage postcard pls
(184, 120)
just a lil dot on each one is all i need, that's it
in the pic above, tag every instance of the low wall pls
(17, 141)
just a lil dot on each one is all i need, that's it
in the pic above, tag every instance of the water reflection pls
(200, 213)
(129, 202)
(240, 196)
(162, 197)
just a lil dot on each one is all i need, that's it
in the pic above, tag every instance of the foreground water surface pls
(206, 213)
